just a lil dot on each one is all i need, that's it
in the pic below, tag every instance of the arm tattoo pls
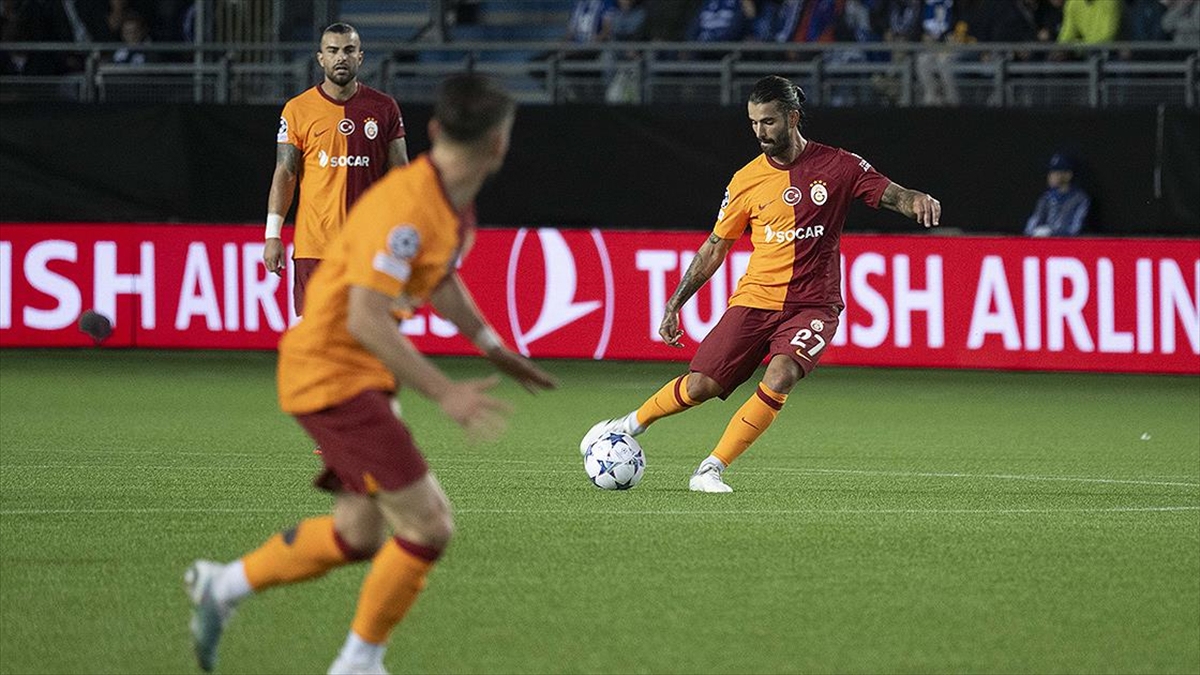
(898, 199)
(697, 274)
(287, 156)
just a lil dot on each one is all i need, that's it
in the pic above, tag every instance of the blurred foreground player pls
(339, 368)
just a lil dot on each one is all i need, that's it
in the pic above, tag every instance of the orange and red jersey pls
(401, 239)
(344, 148)
(796, 214)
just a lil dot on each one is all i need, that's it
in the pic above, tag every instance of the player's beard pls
(776, 147)
(341, 77)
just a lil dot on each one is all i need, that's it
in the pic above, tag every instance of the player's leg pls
(796, 346)
(710, 374)
(308, 550)
(420, 517)
(683, 392)
(302, 271)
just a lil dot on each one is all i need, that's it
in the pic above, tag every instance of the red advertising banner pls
(1112, 305)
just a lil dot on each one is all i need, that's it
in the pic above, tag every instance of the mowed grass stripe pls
(890, 521)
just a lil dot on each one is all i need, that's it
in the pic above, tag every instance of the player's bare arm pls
(452, 300)
(397, 152)
(706, 263)
(369, 320)
(913, 204)
(279, 200)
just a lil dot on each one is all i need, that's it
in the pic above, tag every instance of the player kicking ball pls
(794, 198)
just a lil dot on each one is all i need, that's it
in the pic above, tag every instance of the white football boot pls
(708, 479)
(626, 424)
(345, 666)
(208, 616)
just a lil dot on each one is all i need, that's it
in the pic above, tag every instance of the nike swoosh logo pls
(747, 423)
(765, 205)
(318, 133)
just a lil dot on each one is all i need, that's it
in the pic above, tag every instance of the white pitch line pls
(634, 512)
(993, 476)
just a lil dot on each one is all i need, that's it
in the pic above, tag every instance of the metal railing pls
(840, 74)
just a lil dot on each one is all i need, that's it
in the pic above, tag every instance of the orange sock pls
(748, 423)
(671, 399)
(306, 551)
(396, 578)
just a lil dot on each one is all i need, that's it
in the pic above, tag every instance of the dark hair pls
(339, 28)
(468, 106)
(781, 90)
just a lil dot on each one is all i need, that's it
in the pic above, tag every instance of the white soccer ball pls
(614, 462)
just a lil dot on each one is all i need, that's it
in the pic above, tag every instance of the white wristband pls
(274, 226)
(487, 340)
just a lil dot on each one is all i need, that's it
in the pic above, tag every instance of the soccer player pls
(336, 139)
(794, 199)
(338, 370)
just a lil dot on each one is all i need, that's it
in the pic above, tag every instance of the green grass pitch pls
(891, 521)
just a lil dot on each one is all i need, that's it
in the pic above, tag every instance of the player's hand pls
(669, 331)
(273, 256)
(470, 406)
(521, 369)
(927, 210)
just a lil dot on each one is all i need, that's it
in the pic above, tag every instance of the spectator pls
(1050, 20)
(628, 24)
(1090, 22)
(590, 21)
(855, 29)
(774, 20)
(819, 21)
(1182, 21)
(935, 66)
(1063, 207)
(135, 33)
(1143, 21)
(722, 21)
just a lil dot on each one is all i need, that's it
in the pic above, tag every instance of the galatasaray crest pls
(371, 128)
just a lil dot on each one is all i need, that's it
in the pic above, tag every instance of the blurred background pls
(633, 112)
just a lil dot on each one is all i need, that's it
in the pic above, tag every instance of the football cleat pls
(208, 617)
(619, 425)
(707, 479)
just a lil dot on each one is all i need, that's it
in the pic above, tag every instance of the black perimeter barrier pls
(615, 167)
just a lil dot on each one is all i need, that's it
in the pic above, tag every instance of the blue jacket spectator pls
(1063, 207)
(719, 21)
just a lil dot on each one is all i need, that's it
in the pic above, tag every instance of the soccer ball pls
(614, 462)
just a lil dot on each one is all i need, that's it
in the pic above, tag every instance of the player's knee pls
(435, 528)
(701, 387)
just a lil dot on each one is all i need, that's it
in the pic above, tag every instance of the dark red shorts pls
(303, 269)
(744, 336)
(365, 447)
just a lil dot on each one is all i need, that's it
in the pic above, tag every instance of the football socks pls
(671, 399)
(307, 551)
(748, 423)
(396, 578)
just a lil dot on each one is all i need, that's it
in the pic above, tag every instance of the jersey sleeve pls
(382, 259)
(289, 126)
(869, 184)
(734, 215)
(395, 122)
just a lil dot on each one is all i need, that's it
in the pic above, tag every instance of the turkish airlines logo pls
(572, 304)
(792, 195)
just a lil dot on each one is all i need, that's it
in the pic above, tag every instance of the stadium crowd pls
(865, 22)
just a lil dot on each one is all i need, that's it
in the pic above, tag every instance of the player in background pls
(336, 139)
(340, 366)
(794, 198)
